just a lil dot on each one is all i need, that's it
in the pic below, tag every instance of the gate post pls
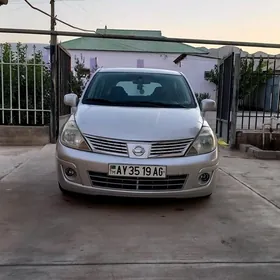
(219, 97)
(224, 102)
(53, 57)
(234, 106)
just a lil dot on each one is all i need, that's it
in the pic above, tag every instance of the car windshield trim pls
(100, 101)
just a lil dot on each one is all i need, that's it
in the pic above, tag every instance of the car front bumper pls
(84, 162)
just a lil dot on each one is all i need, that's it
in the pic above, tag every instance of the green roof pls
(203, 49)
(123, 45)
(150, 33)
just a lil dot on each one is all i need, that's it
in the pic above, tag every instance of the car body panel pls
(82, 162)
(137, 125)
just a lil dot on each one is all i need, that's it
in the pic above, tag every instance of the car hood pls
(138, 124)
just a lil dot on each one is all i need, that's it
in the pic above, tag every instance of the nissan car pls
(137, 133)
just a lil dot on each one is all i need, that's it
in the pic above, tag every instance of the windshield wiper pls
(156, 104)
(100, 101)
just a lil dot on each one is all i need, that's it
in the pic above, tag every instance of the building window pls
(93, 64)
(140, 63)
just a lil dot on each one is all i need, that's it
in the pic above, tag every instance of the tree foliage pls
(25, 83)
(80, 76)
(253, 78)
(213, 75)
(253, 75)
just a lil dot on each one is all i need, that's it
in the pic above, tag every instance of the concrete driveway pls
(43, 235)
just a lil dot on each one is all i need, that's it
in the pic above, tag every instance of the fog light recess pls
(204, 178)
(70, 173)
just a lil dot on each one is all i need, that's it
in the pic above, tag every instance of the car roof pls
(140, 70)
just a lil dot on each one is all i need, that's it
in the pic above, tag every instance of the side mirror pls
(208, 105)
(71, 99)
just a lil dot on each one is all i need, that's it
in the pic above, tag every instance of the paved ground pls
(234, 235)
(261, 176)
(13, 157)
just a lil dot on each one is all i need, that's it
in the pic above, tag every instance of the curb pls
(259, 153)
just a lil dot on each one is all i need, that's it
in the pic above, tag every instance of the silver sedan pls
(137, 133)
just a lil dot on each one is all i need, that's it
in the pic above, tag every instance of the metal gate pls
(63, 83)
(224, 98)
(63, 76)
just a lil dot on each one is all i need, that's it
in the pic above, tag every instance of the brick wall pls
(24, 135)
(255, 138)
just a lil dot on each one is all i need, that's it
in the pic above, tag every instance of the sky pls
(238, 20)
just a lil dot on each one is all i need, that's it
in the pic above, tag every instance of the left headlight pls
(205, 142)
(71, 137)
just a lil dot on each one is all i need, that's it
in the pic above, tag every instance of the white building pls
(103, 52)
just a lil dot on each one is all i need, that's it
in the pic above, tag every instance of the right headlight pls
(205, 142)
(71, 137)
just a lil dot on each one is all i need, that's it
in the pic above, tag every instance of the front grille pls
(134, 183)
(170, 148)
(109, 146)
(162, 149)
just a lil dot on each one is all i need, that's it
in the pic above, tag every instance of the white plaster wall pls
(193, 67)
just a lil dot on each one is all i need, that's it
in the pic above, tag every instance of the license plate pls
(143, 171)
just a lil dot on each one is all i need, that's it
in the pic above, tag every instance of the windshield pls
(139, 90)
